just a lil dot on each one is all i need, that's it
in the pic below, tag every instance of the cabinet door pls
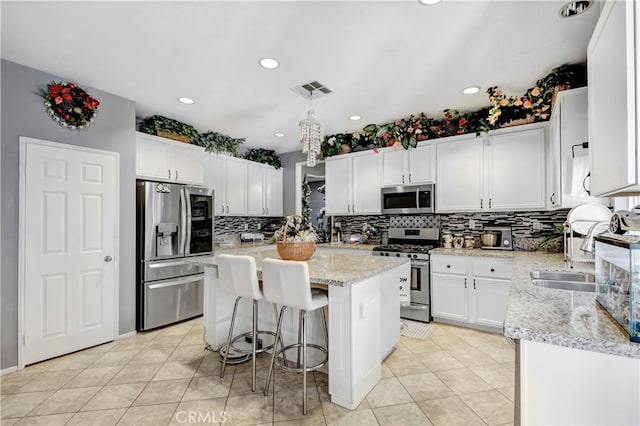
(366, 184)
(236, 187)
(422, 164)
(153, 159)
(515, 171)
(187, 165)
(612, 93)
(214, 177)
(459, 175)
(393, 167)
(255, 189)
(449, 297)
(489, 301)
(273, 191)
(338, 186)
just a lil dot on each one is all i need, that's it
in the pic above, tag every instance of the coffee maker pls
(497, 238)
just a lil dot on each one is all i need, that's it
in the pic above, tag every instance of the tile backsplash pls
(231, 225)
(529, 228)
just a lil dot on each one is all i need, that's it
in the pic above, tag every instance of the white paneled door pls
(69, 203)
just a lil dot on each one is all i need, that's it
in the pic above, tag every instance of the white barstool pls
(238, 276)
(286, 282)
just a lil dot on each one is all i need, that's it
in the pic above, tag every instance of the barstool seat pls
(286, 283)
(238, 276)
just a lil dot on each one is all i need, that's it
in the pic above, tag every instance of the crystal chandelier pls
(310, 132)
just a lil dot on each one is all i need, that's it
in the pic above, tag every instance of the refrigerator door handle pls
(183, 222)
(187, 241)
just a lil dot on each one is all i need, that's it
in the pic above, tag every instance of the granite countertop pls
(346, 246)
(338, 269)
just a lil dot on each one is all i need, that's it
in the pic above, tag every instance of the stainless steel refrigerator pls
(173, 222)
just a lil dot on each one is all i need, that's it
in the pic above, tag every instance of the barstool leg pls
(299, 334)
(275, 340)
(273, 355)
(326, 329)
(303, 316)
(254, 343)
(226, 352)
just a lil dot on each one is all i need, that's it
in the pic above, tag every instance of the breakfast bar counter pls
(363, 314)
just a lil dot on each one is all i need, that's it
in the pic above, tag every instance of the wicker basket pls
(174, 136)
(300, 250)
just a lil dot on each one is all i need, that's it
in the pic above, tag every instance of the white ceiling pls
(382, 59)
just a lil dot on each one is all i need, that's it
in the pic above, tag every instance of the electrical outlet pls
(259, 226)
(246, 226)
(536, 226)
(472, 223)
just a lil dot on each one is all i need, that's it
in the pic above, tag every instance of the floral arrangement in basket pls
(69, 105)
(296, 239)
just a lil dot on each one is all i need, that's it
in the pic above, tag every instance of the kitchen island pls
(363, 314)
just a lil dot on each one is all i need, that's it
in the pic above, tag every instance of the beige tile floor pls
(456, 377)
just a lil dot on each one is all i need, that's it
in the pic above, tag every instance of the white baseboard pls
(126, 335)
(8, 370)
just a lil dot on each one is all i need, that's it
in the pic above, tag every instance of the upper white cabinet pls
(353, 184)
(228, 178)
(459, 175)
(264, 190)
(503, 171)
(568, 165)
(408, 166)
(165, 160)
(613, 88)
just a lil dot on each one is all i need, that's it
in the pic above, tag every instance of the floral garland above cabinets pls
(265, 156)
(533, 106)
(69, 105)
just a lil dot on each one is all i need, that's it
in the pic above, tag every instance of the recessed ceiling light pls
(574, 8)
(471, 90)
(428, 2)
(278, 135)
(355, 117)
(269, 63)
(184, 100)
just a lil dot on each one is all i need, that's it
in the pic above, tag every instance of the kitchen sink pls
(566, 285)
(580, 277)
(577, 281)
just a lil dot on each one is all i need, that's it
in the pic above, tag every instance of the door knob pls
(108, 258)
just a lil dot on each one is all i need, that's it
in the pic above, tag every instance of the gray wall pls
(289, 161)
(23, 114)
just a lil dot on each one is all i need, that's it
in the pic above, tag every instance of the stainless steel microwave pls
(408, 199)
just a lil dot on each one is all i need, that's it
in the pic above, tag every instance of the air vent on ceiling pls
(317, 89)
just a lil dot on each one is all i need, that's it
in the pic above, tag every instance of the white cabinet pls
(165, 160)
(459, 175)
(408, 166)
(568, 164)
(264, 190)
(469, 290)
(503, 171)
(228, 178)
(514, 170)
(353, 184)
(612, 54)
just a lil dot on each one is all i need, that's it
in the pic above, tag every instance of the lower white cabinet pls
(470, 290)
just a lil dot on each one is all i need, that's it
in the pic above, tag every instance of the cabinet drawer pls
(449, 264)
(494, 268)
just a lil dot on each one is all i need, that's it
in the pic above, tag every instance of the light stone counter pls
(325, 267)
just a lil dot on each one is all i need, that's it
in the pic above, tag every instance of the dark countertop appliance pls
(415, 244)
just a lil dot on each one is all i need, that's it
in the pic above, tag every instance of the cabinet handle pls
(267, 210)
(409, 177)
(222, 210)
(474, 283)
(227, 209)
(489, 202)
(552, 199)
(493, 269)
(348, 208)
(169, 173)
(402, 178)
(481, 200)
(465, 283)
(448, 266)
(353, 208)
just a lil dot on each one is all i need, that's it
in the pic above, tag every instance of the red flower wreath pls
(70, 105)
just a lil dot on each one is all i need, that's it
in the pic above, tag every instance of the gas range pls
(413, 243)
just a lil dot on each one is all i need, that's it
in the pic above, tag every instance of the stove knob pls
(381, 254)
(409, 256)
(415, 256)
(397, 254)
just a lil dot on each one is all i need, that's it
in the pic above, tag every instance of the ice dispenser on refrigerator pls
(618, 280)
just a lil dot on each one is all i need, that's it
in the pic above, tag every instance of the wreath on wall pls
(69, 105)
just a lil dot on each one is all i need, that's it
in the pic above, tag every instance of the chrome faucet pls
(596, 229)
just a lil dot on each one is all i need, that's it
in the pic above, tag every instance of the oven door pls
(419, 307)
